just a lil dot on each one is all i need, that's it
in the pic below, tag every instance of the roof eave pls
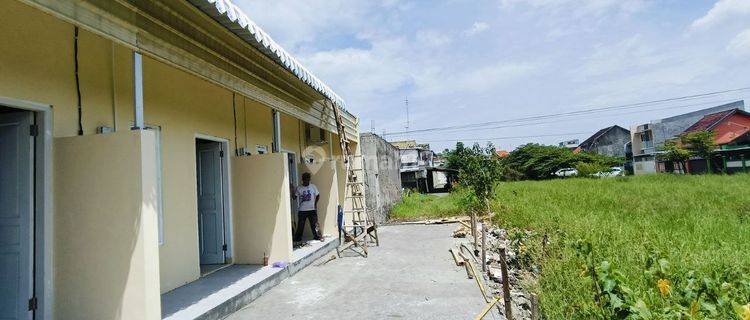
(235, 20)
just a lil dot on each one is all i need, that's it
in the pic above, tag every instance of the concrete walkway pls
(410, 276)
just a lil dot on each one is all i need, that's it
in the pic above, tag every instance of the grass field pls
(659, 246)
(690, 232)
(417, 206)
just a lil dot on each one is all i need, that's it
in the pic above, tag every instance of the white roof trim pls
(233, 18)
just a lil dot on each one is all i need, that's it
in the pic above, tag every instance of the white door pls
(16, 215)
(210, 202)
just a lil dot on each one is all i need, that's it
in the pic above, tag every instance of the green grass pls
(696, 223)
(417, 206)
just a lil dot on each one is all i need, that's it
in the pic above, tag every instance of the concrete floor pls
(411, 276)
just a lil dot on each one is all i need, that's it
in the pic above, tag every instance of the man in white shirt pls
(307, 195)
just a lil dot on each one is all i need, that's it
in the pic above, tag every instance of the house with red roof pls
(732, 136)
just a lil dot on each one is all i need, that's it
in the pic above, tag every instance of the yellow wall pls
(182, 106)
(262, 223)
(37, 65)
(259, 124)
(106, 254)
(326, 180)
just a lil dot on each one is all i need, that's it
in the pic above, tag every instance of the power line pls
(579, 112)
(576, 117)
(510, 137)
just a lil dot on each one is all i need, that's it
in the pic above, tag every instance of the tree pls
(702, 144)
(479, 171)
(455, 159)
(535, 161)
(675, 153)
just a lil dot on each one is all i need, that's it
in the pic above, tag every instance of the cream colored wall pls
(259, 125)
(106, 256)
(326, 180)
(39, 67)
(262, 223)
(182, 106)
(36, 64)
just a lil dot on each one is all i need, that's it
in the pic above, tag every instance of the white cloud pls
(628, 55)
(721, 11)
(432, 38)
(740, 45)
(362, 73)
(476, 28)
(293, 22)
(439, 81)
(582, 7)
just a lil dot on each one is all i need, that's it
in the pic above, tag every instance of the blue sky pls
(471, 61)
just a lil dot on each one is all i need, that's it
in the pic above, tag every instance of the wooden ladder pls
(360, 231)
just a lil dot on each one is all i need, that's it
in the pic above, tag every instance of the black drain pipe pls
(78, 81)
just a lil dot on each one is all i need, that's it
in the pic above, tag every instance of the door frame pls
(296, 164)
(43, 214)
(295, 183)
(226, 184)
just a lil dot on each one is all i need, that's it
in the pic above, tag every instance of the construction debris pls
(497, 242)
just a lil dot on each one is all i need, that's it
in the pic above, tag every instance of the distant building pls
(414, 164)
(404, 144)
(570, 144)
(610, 141)
(410, 144)
(647, 138)
(382, 175)
(504, 153)
(422, 169)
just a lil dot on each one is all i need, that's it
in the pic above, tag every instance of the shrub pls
(589, 169)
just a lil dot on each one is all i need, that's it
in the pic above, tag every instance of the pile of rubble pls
(523, 304)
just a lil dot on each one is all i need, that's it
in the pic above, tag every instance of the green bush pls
(589, 169)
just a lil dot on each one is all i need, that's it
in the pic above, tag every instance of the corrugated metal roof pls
(233, 18)
(709, 121)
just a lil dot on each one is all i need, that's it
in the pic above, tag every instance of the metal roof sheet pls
(233, 18)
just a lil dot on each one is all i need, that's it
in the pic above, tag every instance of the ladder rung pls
(355, 196)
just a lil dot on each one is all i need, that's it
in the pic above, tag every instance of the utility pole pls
(372, 126)
(406, 101)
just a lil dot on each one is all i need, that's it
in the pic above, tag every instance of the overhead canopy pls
(233, 18)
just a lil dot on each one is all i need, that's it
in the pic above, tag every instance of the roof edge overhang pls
(229, 15)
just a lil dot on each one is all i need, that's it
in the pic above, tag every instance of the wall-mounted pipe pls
(114, 89)
(137, 91)
(78, 81)
(276, 145)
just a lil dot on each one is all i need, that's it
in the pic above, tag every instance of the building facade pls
(648, 138)
(152, 139)
(382, 175)
(611, 141)
(732, 137)
(414, 165)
